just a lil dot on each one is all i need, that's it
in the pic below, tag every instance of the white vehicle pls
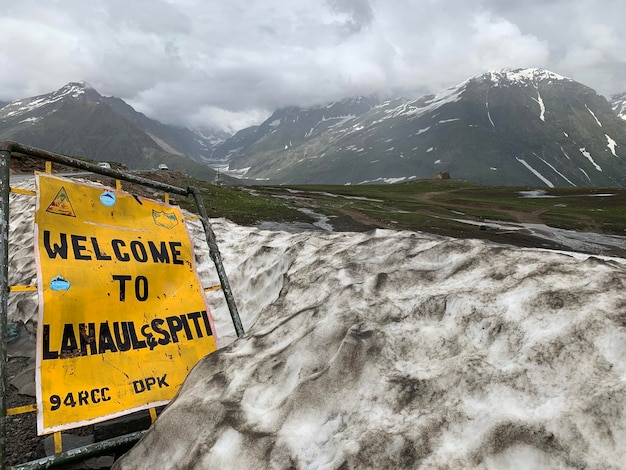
(104, 165)
(163, 166)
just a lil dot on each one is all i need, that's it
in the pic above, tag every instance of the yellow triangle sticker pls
(61, 204)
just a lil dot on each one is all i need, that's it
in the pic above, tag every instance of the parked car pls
(163, 166)
(104, 165)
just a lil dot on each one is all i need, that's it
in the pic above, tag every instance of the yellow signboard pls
(122, 314)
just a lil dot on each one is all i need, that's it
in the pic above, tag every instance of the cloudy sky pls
(230, 63)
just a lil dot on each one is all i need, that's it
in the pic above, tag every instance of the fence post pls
(5, 160)
(214, 252)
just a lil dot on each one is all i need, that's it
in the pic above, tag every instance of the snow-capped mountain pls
(31, 110)
(77, 120)
(618, 103)
(511, 127)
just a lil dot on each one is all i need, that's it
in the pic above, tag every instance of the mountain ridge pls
(77, 120)
(512, 127)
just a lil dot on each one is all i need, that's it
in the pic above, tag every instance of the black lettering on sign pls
(83, 397)
(116, 249)
(138, 251)
(69, 346)
(56, 249)
(79, 248)
(133, 338)
(96, 250)
(159, 255)
(47, 354)
(88, 339)
(145, 385)
(122, 338)
(141, 288)
(156, 327)
(106, 339)
(83, 248)
(176, 253)
(175, 325)
(122, 280)
(80, 398)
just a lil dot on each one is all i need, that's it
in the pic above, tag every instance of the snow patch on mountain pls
(389, 180)
(24, 106)
(31, 119)
(520, 77)
(587, 178)
(588, 156)
(489, 114)
(611, 144)
(542, 107)
(339, 120)
(547, 182)
(618, 103)
(418, 107)
(594, 116)
(554, 169)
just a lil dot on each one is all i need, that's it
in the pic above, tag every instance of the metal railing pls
(7, 148)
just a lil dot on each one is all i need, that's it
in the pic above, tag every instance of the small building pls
(442, 175)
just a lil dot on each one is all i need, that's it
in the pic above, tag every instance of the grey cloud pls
(359, 11)
(149, 16)
(193, 62)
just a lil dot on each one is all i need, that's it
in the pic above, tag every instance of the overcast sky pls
(231, 63)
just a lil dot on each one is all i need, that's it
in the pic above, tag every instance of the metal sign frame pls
(7, 148)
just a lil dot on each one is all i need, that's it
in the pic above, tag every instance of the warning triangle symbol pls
(61, 204)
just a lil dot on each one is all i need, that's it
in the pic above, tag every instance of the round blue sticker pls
(107, 198)
(58, 283)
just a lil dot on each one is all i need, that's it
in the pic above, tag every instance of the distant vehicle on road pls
(104, 165)
(163, 166)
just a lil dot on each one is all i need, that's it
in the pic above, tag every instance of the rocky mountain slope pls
(77, 120)
(618, 103)
(176, 140)
(513, 127)
(288, 128)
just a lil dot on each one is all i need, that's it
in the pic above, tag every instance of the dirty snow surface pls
(395, 349)
(403, 350)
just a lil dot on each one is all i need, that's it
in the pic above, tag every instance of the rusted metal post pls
(83, 165)
(214, 252)
(81, 453)
(5, 160)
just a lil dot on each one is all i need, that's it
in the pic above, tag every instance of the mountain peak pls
(522, 76)
(71, 88)
(25, 106)
(76, 89)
